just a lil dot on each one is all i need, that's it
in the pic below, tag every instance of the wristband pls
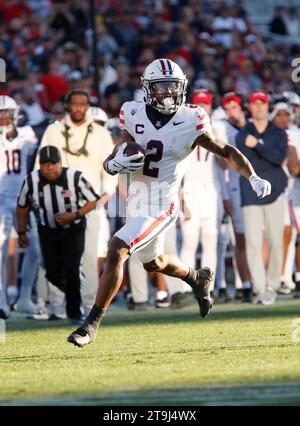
(20, 233)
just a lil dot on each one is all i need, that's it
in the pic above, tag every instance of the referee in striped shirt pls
(60, 198)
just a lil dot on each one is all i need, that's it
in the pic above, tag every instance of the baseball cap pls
(49, 154)
(258, 95)
(231, 96)
(279, 107)
(202, 98)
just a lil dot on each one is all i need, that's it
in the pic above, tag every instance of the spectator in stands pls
(292, 22)
(277, 25)
(54, 81)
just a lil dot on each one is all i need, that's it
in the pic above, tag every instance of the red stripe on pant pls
(151, 228)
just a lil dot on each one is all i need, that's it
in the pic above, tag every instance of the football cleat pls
(26, 306)
(181, 300)
(4, 314)
(80, 337)
(247, 295)
(297, 290)
(162, 303)
(202, 290)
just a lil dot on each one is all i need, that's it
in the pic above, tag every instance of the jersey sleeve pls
(123, 117)
(203, 124)
(219, 128)
(125, 121)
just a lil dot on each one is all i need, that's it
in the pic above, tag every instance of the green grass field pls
(239, 355)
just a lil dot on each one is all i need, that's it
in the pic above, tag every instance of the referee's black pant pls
(62, 251)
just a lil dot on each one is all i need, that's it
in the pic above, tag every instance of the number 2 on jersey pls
(154, 157)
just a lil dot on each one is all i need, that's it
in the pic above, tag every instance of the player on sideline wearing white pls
(168, 130)
(200, 208)
(17, 145)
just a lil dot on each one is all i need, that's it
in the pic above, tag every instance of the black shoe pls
(297, 290)
(247, 295)
(284, 288)
(54, 317)
(162, 303)
(76, 320)
(80, 337)
(134, 306)
(3, 315)
(180, 300)
(202, 290)
(239, 295)
(222, 296)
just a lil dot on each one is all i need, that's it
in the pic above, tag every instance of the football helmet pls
(293, 98)
(164, 85)
(97, 114)
(9, 113)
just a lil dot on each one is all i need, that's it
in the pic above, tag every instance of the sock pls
(297, 276)
(161, 294)
(93, 320)
(223, 285)
(191, 277)
(246, 285)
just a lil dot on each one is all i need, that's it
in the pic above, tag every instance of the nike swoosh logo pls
(176, 124)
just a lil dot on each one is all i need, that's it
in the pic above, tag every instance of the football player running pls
(168, 130)
(17, 145)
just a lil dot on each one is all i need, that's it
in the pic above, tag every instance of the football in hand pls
(133, 148)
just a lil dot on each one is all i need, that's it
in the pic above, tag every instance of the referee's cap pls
(49, 154)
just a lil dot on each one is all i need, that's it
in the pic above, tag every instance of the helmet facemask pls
(7, 120)
(9, 114)
(165, 95)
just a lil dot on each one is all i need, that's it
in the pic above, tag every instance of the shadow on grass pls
(251, 394)
(227, 312)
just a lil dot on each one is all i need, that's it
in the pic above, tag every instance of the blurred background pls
(221, 45)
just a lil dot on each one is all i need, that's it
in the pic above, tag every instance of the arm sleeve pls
(275, 152)
(23, 200)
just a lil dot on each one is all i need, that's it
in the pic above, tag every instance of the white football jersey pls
(202, 168)
(167, 151)
(14, 155)
(226, 132)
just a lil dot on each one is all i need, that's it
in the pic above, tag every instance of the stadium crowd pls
(47, 47)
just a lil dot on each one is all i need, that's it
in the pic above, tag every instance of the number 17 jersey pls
(167, 146)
